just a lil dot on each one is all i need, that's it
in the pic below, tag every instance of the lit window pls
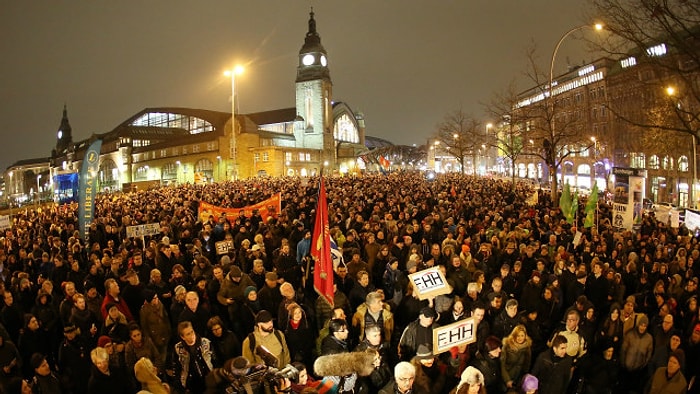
(265, 157)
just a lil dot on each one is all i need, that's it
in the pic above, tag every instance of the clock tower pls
(313, 97)
(64, 135)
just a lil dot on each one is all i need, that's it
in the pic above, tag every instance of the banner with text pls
(629, 194)
(88, 186)
(460, 332)
(429, 283)
(267, 208)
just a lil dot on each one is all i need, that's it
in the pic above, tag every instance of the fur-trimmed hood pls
(343, 364)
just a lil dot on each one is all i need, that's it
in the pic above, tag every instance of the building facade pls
(162, 146)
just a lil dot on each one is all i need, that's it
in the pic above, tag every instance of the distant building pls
(179, 145)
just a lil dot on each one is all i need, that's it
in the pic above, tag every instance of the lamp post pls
(218, 175)
(550, 94)
(595, 160)
(38, 178)
(671, 92)
(234, 152)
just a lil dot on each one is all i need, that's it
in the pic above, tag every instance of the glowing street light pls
(233, 154)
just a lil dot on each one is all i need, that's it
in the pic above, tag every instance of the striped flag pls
(321, 248)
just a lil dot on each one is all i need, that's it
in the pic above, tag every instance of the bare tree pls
(460, 135)
(556, 133)
(664, 36)
(509, 136)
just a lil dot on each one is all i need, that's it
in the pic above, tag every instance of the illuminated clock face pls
(308, 60)
(60, 134)
(323, 61)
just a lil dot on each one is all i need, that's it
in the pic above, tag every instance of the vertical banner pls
(629, 193)
(88, 186)
(321, 248)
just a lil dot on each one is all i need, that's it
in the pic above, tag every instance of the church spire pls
(64, 137)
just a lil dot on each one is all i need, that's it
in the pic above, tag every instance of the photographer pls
(239, 376)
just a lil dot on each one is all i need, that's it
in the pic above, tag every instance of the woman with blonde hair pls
(516, 356)
(146, 374)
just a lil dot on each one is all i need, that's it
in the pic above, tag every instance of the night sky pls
(403, 63)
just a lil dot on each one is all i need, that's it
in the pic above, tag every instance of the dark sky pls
(403, 63)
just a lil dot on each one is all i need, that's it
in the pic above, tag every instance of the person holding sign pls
(418, 332)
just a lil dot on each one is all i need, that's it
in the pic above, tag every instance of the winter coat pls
(660, 384)
(181, 359)
(636, 350)
(553, 372)
(114, 383)
(155, 324)
(515, 360)
(359, 320)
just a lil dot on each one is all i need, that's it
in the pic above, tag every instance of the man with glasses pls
(404, 375)
(336, 341)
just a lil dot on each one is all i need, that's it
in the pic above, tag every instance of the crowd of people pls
(557, 307)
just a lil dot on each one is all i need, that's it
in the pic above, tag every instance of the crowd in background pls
(612, 311)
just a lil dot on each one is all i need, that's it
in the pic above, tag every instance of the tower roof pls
(65, 124)
(312, 42)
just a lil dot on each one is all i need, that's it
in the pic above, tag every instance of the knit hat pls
(472, 376)
(36, 360)
(263, 317)
(110, 305)
(103, 341)
(428, 312)
(537, 274)
(235, 272)
(249, 290)
(149, 294)
(271, 276)
(236, 367)
(643, 319)
(530, 383)
(679, 355)
(410, 264)
(424, 352)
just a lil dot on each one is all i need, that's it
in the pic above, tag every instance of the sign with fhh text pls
(429, 283)
(460, 332)
(223, 247)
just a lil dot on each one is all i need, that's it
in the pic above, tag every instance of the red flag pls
(384, 162)
(321, 248)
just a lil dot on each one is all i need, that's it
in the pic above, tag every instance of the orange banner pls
(268, 208)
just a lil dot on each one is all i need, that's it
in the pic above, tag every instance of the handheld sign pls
(461, 332)
(142, 230)
(4, 222)
(429, 283)
(223, 247)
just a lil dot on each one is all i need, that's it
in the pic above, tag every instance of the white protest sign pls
(460, 332)
(4, 222)
(142, 230)
(429, 283)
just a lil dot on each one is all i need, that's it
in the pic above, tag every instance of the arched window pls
(109, 173)
(169, 171)
(637, 160)
(683, 163)
(654, 162)
(345, 130)
(584, 169)
(141, 173)
(667, 163)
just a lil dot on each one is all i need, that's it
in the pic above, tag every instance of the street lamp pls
(218, 175)
(550, 95)
(38, 178)
(234, 153)
(671, 92)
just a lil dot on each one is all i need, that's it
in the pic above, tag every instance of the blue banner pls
(88, 187)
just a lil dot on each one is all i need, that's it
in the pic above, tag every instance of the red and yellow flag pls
(321, 248)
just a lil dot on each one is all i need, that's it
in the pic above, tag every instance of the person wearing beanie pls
(265, 334)
(530, 384)
(471, 379)
(231, 298)
(636, 352)
(669, 379)
(44, 381)
(488, 361)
